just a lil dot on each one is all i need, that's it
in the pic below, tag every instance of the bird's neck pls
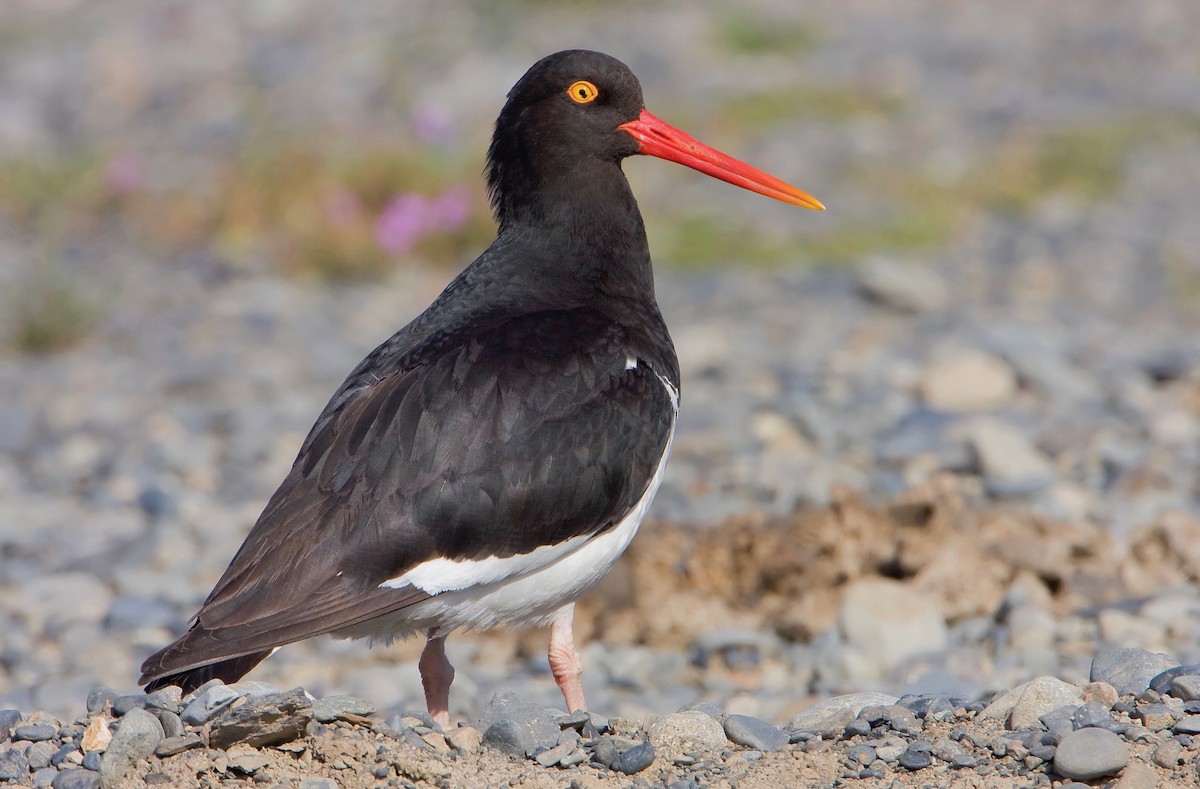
(585, 224)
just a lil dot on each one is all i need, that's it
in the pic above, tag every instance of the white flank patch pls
(630, 363)
(531, 587)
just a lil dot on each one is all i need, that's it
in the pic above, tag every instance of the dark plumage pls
(489, 461)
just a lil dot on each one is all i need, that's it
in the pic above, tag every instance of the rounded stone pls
(685, 732)
(754, 733)
(139, 734)
(634, 760)
(1087, 754)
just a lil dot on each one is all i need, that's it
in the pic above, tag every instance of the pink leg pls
(436, 676)
(565, 663)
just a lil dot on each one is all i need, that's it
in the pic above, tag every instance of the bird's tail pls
(172, 666)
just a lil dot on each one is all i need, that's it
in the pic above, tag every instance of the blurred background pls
(209, 212)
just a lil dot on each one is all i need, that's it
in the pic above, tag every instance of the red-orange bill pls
(663, 140)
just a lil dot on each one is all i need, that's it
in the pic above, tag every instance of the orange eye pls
(583, 92)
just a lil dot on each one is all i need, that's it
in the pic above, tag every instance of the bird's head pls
(581, 105)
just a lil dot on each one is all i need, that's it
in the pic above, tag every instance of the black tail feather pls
(225, 670)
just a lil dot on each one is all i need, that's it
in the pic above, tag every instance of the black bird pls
(490, 461)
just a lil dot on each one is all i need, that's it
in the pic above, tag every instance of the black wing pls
(541, 428)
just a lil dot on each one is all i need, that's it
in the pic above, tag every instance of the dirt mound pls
(789, 573)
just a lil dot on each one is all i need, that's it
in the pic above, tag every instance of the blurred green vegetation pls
(311, 209)
(741, 32)
(1086, 164)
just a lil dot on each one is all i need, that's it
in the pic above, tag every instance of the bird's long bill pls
(663, 140)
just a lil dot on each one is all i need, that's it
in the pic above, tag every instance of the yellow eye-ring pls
(583, 92)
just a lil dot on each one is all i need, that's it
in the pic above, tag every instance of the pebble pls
(754, 733)
(1012, 465)
(968, 380)
(687, 732)
(849, 705)
(138, 736)
(1189, 724)
(99, 698)
(517, 726)
(1088, 754)
(330, 708)
(35, 732)
(467, 739)
(914, 758)
(907, 287)
(634, 760)
(208, 704)
(1129, 669)
(74, 778)
(1040, 696)
(13, 765)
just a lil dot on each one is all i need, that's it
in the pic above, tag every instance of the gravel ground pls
(934, 474)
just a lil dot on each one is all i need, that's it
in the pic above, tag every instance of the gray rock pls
(1087, 754)
(208, 704)
(178, 744)
(509, 736)
(171, 723)
(906, 287)
(1163, 681)
(75, 778)
(1168, 754)
(1091, 713)
(946, 749)
(1040, 696)
(265, 721)
(1011, 464)
(1189, 724)
(687, 732)
(44, 777)
(13, 765)
(331, 708)
(852, 704)
(130, 701)
(1186, 687)
(98, 698)
(527, 723)
(40, 754)
(92, 760)
(1128, 669)
(167, 698)
(915, 758)
(754, 733)
(136, 738)
(634, 760)
(35, 732)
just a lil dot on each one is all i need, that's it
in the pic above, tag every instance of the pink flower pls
(408, 218)
(401, 223)
(123, 174)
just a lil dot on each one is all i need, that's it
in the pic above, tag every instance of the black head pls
(565, 112)
(570, 121)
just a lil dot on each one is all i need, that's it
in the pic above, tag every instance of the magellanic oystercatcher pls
(490, 461)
